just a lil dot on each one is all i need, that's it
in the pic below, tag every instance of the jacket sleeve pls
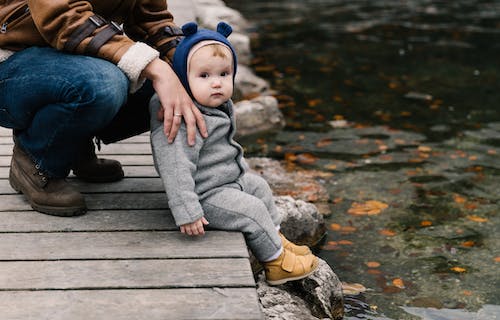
(176, 165)
(73, 26)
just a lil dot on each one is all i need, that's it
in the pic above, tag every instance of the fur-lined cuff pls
(5, 54)
(134, 61)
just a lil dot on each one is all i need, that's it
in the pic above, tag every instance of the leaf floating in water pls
(399, 283)
(387, 233)
(352, 288)
(477, 218)
(496, 259)
(370, 207)
(373, 264)
(306, 158)
(458, 269)
(458, 199)
(426, 223)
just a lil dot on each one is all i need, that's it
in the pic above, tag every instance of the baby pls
(210, 182)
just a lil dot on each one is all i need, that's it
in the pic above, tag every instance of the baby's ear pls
(224, 29)
(189, 28)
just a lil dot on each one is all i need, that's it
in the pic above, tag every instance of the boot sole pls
(100, 179)
(283, 281)
(50, 210)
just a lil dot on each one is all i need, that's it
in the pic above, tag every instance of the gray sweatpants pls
(247, 207)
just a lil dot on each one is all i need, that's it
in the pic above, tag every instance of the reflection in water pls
(398, 100)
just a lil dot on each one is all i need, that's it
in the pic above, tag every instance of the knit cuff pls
(133, 62)
(5, 54)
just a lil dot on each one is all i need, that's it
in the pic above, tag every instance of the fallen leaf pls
(496, 259)
(468, 244)
(458, 269)
(467, 293)
(398, 282)
(374, 271)
(347, 229)
(492, 152)
(477, 218)
(426, 223)
(306, 158)
(459, 199)
(370, 207)
(387, 232)
(352, 288)
(345, 242)
(335, 227)
(372, 264)
(314, 102)
(424, 149)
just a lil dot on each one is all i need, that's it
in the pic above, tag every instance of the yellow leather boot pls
(298, 250)
(289, 267)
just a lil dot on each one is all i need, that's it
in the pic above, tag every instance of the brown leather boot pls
(92, 169)
(52, 196)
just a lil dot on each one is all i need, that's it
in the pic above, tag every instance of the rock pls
(258, 115)
(301, 184)
(301, 221)
(241, 44)
(210, 13)
(318, 296)
(247, 84)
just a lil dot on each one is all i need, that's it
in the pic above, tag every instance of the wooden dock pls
(124, 259)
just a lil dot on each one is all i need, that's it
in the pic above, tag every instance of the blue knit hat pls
(192, 36)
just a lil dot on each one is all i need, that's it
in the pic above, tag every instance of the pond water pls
(398, 102)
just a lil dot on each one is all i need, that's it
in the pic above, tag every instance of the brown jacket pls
(91, 28)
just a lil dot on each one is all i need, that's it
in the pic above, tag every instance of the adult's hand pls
(176, 103)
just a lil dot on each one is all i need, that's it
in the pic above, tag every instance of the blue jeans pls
(56, 102)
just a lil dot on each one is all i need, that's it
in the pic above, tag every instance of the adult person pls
(69, 73)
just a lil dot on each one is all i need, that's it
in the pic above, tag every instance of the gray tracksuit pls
(210, 179)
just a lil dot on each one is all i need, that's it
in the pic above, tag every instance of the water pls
(397, 102)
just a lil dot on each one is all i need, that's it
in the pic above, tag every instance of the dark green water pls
(418, 87)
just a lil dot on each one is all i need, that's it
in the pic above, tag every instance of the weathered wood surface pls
(124, 259)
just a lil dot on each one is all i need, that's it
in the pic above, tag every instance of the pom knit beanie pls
(193, 36)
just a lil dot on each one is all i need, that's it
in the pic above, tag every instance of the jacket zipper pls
(23, 11)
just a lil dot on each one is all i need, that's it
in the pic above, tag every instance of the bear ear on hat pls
(224, 29)
(189, 28)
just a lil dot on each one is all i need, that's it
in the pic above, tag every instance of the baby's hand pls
(195, 228)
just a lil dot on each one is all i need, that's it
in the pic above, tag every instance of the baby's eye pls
(224, 74)
(204, 75)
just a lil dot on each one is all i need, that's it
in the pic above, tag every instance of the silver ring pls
(177, 115)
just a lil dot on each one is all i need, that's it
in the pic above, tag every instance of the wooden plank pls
(120, 245)
(108, 201)
(110, 149)
(115, 220)
(130, 172)
(125, 274)
(168, 304)
(126, 159)
(127, 185)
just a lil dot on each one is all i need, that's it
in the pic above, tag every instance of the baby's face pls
(210, 76)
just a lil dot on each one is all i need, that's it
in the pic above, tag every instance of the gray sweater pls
(188, 173)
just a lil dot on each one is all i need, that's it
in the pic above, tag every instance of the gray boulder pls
(258, 115)
(318, 296)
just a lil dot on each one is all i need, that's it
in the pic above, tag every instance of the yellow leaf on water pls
(398, 282)
(426, 223)
(370, 207)
(352, 288)
(477, 218)
(372, 264)
(458, 269)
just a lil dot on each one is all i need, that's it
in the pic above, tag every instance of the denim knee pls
(105, 89)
